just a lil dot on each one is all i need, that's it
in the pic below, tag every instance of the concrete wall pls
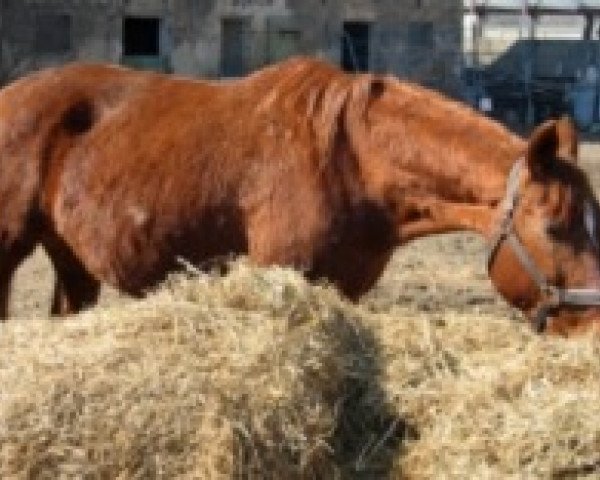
(417, 39)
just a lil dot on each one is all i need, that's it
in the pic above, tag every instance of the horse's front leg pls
(73, 292)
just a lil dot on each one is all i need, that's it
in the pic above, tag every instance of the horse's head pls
(426, 158)
(545, 254)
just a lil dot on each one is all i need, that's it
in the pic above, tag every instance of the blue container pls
(584, 102)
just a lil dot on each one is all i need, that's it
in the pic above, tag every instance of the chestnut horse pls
(118, 173)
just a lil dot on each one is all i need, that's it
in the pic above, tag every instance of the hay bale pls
(490, 399)
(259, 375)
(253, 375)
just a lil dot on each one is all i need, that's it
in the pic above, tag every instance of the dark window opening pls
(355, 46)
(141, 36)
(53, 33)
(235, 44)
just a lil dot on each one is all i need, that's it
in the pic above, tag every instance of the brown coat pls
(118, 173)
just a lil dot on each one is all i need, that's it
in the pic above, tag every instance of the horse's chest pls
(357, 249)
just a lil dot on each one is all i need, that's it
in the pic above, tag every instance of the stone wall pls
(417, 39)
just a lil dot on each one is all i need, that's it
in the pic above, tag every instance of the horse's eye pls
(553, 227)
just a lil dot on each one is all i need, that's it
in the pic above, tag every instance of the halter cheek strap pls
(553, 297)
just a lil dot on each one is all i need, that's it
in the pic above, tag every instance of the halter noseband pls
(553, 297)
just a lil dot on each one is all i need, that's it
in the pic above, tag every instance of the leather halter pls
(553, 297)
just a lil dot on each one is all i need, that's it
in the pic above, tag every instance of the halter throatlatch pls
(552, 297)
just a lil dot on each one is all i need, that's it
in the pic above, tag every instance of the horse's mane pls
(320, 91)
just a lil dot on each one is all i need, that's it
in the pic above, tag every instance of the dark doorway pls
(142, 44)
(355, 46)
(234, 46)
(141, 36)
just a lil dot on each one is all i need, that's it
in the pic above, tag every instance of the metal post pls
(528, 32)
(597, 62)
(588, 27)
(475, 32)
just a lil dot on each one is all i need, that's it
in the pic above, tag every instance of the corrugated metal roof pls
(566, 5)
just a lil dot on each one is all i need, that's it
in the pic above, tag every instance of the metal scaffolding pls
(539, 6)
(525, 73)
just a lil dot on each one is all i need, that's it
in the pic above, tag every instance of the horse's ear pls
(366, 89)
(376, 88)
(343, 106)
(552, 140)
(567, 139)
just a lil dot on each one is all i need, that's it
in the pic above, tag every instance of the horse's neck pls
(473, 172)
(455, 180)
